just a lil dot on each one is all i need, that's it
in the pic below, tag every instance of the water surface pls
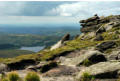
(34, 49)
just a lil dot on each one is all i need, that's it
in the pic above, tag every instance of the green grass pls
(13, 53)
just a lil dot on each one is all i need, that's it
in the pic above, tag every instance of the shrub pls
(32, 76)
(13, 76)
(87, 77)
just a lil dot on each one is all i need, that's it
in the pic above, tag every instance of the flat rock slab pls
(101, 70)
(61, 71)
(61, 78)
(93, 56)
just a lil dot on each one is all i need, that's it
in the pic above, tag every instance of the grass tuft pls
(32, 76)
(13, 76)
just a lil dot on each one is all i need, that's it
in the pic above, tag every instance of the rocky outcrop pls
(99, 24)
(102, 70)
(61, 42)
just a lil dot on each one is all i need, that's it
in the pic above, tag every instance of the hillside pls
(93, 55)
(13, 39)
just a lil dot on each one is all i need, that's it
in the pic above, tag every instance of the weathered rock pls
(100, 30)
(61, 70)
(114, 54)
(105, 45)
(102, 70)
(21, 64)
(89, 29)
(99, 24)
(112, 57)
(61, 42)
(108, 26)
(88, 36)
(65, 38)
(90, 19)
(3, 67)
(98, 38)
(57, 45)
(61, 78)
(48, 66)
(92, 56)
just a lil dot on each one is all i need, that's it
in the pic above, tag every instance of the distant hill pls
(59, 31)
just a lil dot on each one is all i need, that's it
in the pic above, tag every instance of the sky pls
(54, 13)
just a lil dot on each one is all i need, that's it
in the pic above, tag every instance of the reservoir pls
(34, 49)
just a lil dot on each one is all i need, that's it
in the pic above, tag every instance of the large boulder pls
(92, 56)
(105, 45)
(101, 70)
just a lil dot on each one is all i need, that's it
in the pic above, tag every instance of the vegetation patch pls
(32, 76)
(87, 77)
(87, 62)
(13, 76)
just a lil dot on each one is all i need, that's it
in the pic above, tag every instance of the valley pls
(15, 42)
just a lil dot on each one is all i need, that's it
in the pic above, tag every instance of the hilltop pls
(93, 55)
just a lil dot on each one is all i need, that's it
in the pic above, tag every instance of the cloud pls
(55, 11)
(27, 8)
(78, 9)
(86, 9)
(11, 8)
